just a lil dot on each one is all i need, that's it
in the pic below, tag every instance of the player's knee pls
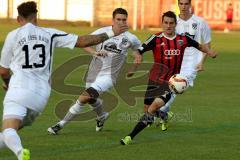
(147, 118)
(90, 95)
(98, 103)
(166, 97)
(14, 123)
(145, 109)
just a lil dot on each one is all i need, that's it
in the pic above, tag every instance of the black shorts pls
(229, 20)
(155, 90)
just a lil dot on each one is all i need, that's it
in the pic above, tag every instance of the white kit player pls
(193, 59)
(103, 71)
(28, 54)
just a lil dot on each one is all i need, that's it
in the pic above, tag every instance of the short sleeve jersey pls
(28, 52)
(117, 49)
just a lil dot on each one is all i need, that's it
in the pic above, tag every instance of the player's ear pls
(18, 19)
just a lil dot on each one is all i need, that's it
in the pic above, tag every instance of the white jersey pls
(199, 30)
(28, 52)
(117, 51)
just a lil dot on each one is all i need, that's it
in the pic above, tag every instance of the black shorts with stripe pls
(155, 90)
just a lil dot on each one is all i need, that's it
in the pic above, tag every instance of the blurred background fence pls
(142, 13)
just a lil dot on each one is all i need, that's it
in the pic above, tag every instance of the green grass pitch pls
(206, 125)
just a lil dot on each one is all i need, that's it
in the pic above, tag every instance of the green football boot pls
(126, 141)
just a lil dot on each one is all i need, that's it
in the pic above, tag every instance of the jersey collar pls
(170, 38)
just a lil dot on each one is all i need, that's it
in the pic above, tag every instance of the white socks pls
(77, 109)
(13, 141)
(2, 143)
(73, 111)
(167, 106)
(98, 107)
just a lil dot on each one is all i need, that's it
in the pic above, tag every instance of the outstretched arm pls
(200, 65)
(90, 40)
(205, 48)
(202, 47)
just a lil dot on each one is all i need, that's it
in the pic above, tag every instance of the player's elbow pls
(82, 42)
(4, 72)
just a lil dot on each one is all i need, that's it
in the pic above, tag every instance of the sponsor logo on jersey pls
(162, 44)
(194, 26)
(171, 52)
(112, 47)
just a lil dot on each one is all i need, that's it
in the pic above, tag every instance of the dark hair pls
(188, 0)
(27, 9)
(170, 14)
(119, 11)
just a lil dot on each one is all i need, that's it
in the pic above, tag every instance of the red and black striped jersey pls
(168, 54)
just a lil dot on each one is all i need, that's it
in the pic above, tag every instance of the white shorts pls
(101, 84)
(17, 111)
(27, 98)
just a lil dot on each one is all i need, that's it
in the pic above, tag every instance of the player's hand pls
(137, 62)
(199, 67)
(132, 70)
(212, 54)
(118, 29)
(138, 58)
(101, 53)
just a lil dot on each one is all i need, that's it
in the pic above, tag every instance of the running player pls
(27, 53)
(103, 71)
(168, 50)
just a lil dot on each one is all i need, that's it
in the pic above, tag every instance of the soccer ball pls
(178, 83)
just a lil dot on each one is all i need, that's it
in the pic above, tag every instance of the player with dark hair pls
(119, 11)
(27, 53)
(193, 59)
(168, 50)
(103, 71)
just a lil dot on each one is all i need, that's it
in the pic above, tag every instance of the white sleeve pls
(136, 43)
(64, 40)
(205, 33)
(7, 52)
(98, 31)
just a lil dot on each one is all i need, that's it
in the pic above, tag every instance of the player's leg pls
(165, 114)
(76, 109)
(101, 115)
(148, 117)
(151, 92)
(13, 116)
(101, 84)
(90, 95)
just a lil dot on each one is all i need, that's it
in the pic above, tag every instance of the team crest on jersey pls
(194, 26)
(124, 44)
(180, 42)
